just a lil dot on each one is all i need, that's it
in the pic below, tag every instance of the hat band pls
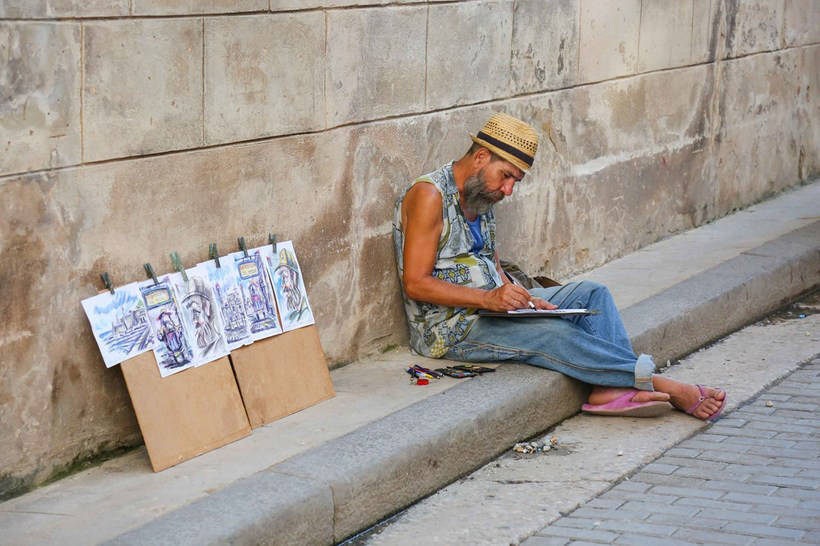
(526, 158)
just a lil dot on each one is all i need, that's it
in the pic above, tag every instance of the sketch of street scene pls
(201, 316)
(289, 287)
(228, 294)
(173, 348)
(119, 323)
(257, 294)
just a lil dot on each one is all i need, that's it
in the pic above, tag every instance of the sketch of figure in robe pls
(287, 275)
(170, 333)
(204, 317)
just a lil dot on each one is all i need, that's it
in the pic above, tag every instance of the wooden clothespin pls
(177, 263)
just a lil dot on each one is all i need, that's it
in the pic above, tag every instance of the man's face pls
(492, 183)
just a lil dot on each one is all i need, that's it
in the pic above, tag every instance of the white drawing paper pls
(172, 348)
(257, 294)
(201, 315)
(228, 295)
(120, 324)
(289, 287)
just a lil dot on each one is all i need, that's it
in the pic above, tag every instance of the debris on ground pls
(534, 447)
(769, 404)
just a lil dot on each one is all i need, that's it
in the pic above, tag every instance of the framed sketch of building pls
(172, 347)
(228, 297)
(257, 294)
(289, 288)
(119, 323)
(200, 314)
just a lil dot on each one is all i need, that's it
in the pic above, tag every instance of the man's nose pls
(507, 188)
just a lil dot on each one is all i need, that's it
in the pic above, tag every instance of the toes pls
(650, 396)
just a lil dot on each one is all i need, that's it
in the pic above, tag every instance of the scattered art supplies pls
(120, 324)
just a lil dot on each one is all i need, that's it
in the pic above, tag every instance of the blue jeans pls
(594, 349)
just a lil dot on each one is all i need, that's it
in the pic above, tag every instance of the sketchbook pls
(540, 313)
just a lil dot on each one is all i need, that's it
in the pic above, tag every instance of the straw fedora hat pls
(509, 138)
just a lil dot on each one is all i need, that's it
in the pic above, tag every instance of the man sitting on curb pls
(444, 232)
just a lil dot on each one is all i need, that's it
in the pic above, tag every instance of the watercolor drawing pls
(228, 296)
(289, 287)
(201, 315)
(120, 324)
(173, 348)
(257, 294)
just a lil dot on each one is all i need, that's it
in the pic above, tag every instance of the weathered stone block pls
(143, 87)
(468, 52)
(375, 64)
(759, 126)
(609, 39)
(666, 34)
(42, 9)
(264, 75)
(752, 26)
(705, 30)
(802, 22)
(39, 96)
(282, 5)
(188, 7)
(544, 44)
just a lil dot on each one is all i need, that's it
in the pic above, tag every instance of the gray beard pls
(476, 197)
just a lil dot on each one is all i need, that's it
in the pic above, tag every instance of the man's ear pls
(481, 157)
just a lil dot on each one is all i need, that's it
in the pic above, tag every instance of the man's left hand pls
(543, 304)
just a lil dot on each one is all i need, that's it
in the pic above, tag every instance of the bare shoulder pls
(422, 203)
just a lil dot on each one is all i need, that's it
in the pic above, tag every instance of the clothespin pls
(242, 246)
(213, 253)
(272, 240)
(177, 263)
(150, 272)
(107, 282)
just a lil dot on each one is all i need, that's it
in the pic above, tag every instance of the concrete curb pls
(345, 485)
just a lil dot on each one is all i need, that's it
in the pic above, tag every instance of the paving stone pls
(737, 474)
(791, 511)
(798, 523)
(733, 457)
(536, 540)
(770, 443)
(733, 422)
(686, 492)
(694, 463)
(666, 479)
(602, 514)
(574, 522)
(765, 530)
(604, 503)
(624, 495)
(779, 427)
(643, 540)
(712, 504)
(601, 536)
(638, 527)
(739, 516)
(711, 537)
(655, 509)
(802, 494)
(632, 485)
(739, 487)
(760, 499)
(784, 481)
(793, 453)
(681, 452)
(699, 522)
(660, 468)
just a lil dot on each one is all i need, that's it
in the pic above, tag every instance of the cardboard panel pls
(282, 374)
(185, 414)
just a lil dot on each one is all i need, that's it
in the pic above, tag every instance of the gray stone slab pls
(45, 9)
(705, 307)
(40, 107)
(407, 455)
(264, 75)
(264, 508)
(192, 7)
(154, 105)
(609, 39)
(753, 26)
(544, 55)
(802, 22)
(468, 52)
(375, 63)
(666, 34)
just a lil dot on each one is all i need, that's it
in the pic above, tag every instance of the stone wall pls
(132, 128)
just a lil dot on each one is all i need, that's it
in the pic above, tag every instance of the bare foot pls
(685, 396)
(604, 395)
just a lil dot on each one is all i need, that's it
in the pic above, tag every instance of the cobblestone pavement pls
(751, 478)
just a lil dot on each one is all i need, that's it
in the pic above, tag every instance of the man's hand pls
(543, 304)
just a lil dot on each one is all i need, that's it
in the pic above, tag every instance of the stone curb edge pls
(330, 492)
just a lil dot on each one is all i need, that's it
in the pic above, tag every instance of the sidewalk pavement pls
(752, 478)
(325, 473)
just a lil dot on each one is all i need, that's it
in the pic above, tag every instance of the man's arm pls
(421, 219)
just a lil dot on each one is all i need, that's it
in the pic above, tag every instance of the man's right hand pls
(506, 298)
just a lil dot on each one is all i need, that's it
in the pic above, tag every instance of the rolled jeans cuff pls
(644, 369)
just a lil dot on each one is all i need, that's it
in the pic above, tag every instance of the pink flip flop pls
(712, 418)
(624, 406)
